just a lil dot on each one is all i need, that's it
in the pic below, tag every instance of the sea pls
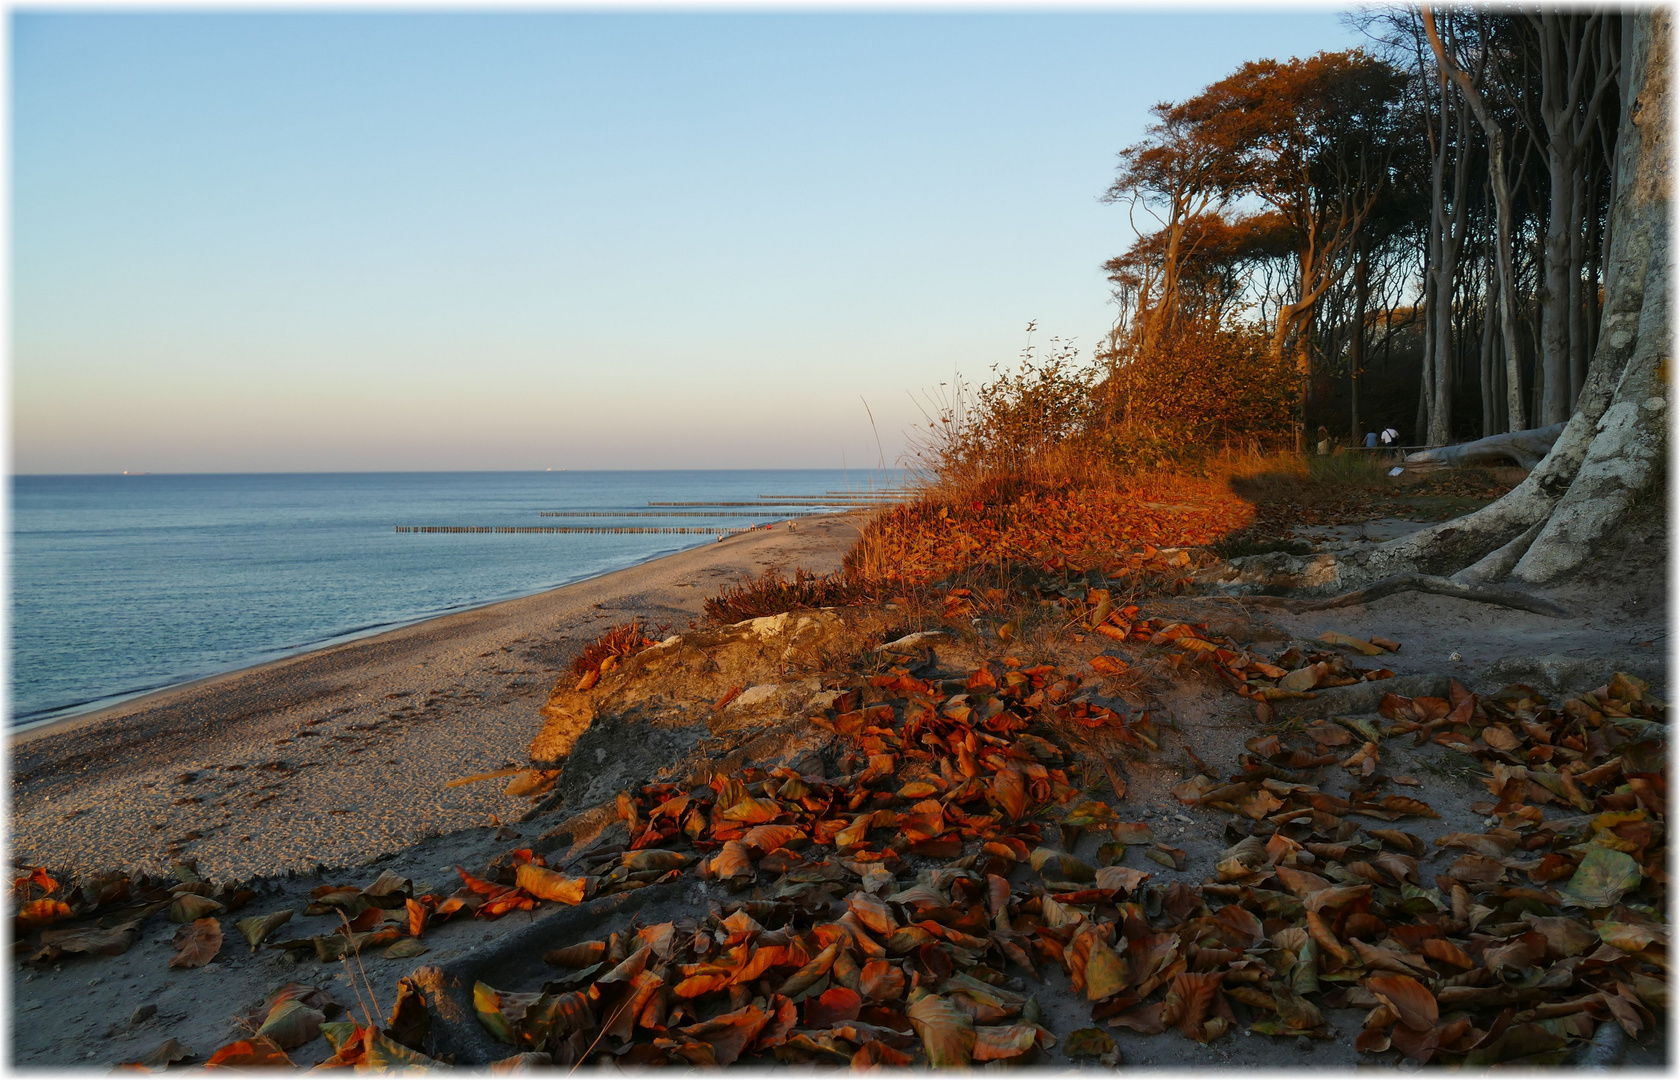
(122, 585)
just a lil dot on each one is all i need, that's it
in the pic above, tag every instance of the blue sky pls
(301, 241)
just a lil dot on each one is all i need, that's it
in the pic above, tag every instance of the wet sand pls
(342, 754)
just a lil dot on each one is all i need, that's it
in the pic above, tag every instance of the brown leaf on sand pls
(91, 939)
(1410, 1000)
(1145, 1019)
(1320, 932)
(946, 1031)
(1009, 792)
(249, 1053)
(416, 917)
(767, 838)
(1400, 804)
(410, 1021)
(1500, 737)
(577, 956)
(728, 1035)
(1335, 897)
(167, 1053)
(1106, 972)
(548, 885)
(836, 1005)
(803, 979)
(1190, 998)
(654, 859)
(257, 928)
(732, 862)
(1625, 1007)
(1301, 882)
(1447, 953)
(38, 913)
(197, 943)
(290, 1024)
(1003, 1042)
(881, 981)
(1108, 665)
(188, 907)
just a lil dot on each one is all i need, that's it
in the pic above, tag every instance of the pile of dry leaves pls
(877, 913)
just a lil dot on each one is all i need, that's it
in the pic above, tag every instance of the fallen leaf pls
(249, 1054)
(1004, 1042)
(836, 1005)
(655, 859)
(256, 929)
(881, 981)
(1411, 1000)
(290, 1024)
(38, 913)
(197, 943)
(166, 1054)
(1602, 878)
(405, 949)
(947, 1033)
(1358, 645)
(546, 884)
(189, 907)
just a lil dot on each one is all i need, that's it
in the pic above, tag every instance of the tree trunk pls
(1490, 396)
(1554, 301)
(1502, 208)
(1525, 449)
(1356, 347)
(1611, 451)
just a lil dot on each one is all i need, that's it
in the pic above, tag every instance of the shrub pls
(1200, 389)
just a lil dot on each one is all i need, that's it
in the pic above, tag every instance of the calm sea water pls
(124, 584)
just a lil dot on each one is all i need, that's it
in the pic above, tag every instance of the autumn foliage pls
(1070, 529)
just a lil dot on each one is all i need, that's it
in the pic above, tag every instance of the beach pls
(342, 754)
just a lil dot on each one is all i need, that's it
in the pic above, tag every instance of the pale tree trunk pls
(1629, 436)
(1490, 394)
(1356, 347)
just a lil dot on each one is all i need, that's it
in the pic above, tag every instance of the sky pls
(300, 241)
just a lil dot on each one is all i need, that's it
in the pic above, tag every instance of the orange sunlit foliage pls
(1075, 529)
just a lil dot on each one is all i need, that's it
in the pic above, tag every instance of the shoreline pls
(97, 708)
(341, 752)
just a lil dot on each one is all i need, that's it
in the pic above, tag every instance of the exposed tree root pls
(1486, 594)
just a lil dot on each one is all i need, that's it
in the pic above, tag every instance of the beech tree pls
(1611, 451)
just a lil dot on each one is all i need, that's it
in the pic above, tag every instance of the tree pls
(1184, 170)
(1611, 451)
(1317, 137)
(1506, 287)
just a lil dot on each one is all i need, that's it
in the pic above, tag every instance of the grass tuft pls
(625, 639)
(772, 594)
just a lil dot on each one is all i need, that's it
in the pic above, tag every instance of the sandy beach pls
(342, 754)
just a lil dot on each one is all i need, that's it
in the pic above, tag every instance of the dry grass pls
(772, 594)
(625, 639)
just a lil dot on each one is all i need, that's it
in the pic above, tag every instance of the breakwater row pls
(691, 530)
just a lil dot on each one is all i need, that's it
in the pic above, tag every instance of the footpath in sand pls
(338, 755)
